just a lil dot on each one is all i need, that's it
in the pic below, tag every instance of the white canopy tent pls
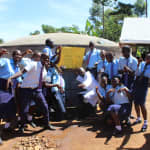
(136, 31)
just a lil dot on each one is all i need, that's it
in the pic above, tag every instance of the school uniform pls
(7, 103)
(112, 68)
(54, 77)
(141, 84)
(103, 92)
(132, 63)
(31, 89)
(121, 104)
(16, 69)
(48, 51)
(101, 66)
(91, 58)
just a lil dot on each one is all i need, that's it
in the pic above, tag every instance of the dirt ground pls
(89, 134)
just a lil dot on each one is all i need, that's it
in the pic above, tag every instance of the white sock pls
(29, 118)
(118, 127)
(138, 118)
(145, 122)
(19, 118)
(7, 125)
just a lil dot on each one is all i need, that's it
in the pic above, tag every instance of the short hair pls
(91, 44)
(104, 75)
(126, 48)
(44, 55)
(118, 77)
(109, 54)
(48, 41)
(16, 51)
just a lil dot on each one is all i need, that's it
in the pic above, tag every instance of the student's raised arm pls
(16, 75)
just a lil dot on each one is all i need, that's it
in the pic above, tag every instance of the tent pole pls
(146, 9)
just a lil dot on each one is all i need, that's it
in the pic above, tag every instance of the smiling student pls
(140, 91)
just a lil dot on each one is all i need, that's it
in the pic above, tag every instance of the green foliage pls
(48, 29)
(112, 26)
(1, 41)
(140, 7)
(51, 29)
(108, 23)
(36, 32)
(122, 8)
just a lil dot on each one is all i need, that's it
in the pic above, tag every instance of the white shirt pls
(88, 80)
(31, 80)
(90, 83)
(120, 97)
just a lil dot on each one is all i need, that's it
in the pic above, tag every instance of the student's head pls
(109, 56)
(36, 56)
(103, 54)
(81, 71)
(115, 81)
(140, 59)
(148, 58)
(104, 81)
(49, 43)
(126, 51)
(91, 45)
(16, 55)
(44, 59)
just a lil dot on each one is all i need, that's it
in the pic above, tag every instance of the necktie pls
(103, 64)
(112, 70)
(41, 77)
(89, 58)
(126, 75)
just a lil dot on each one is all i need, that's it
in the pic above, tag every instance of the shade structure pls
(136, 31)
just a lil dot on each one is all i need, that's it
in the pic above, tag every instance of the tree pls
(36, 32)
(1, 41)
(124, 9)
(112, 26)
(48, 29)
(51, 29)
(97, 12)
(140, 8)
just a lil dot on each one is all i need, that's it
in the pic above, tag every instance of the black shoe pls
(1, 141)
(144, 128)
(21, 129)
(8, 130)
(32, 124)
(117, 132)
(137, 122)
(50, 127)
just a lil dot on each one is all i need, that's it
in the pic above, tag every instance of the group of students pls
(115, 84)
(28, 82)
(112, 83)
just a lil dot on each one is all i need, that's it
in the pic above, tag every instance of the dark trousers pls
(27, 95)
(59, 101)
(84, 109)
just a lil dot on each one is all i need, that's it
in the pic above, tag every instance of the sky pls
(20, 17)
